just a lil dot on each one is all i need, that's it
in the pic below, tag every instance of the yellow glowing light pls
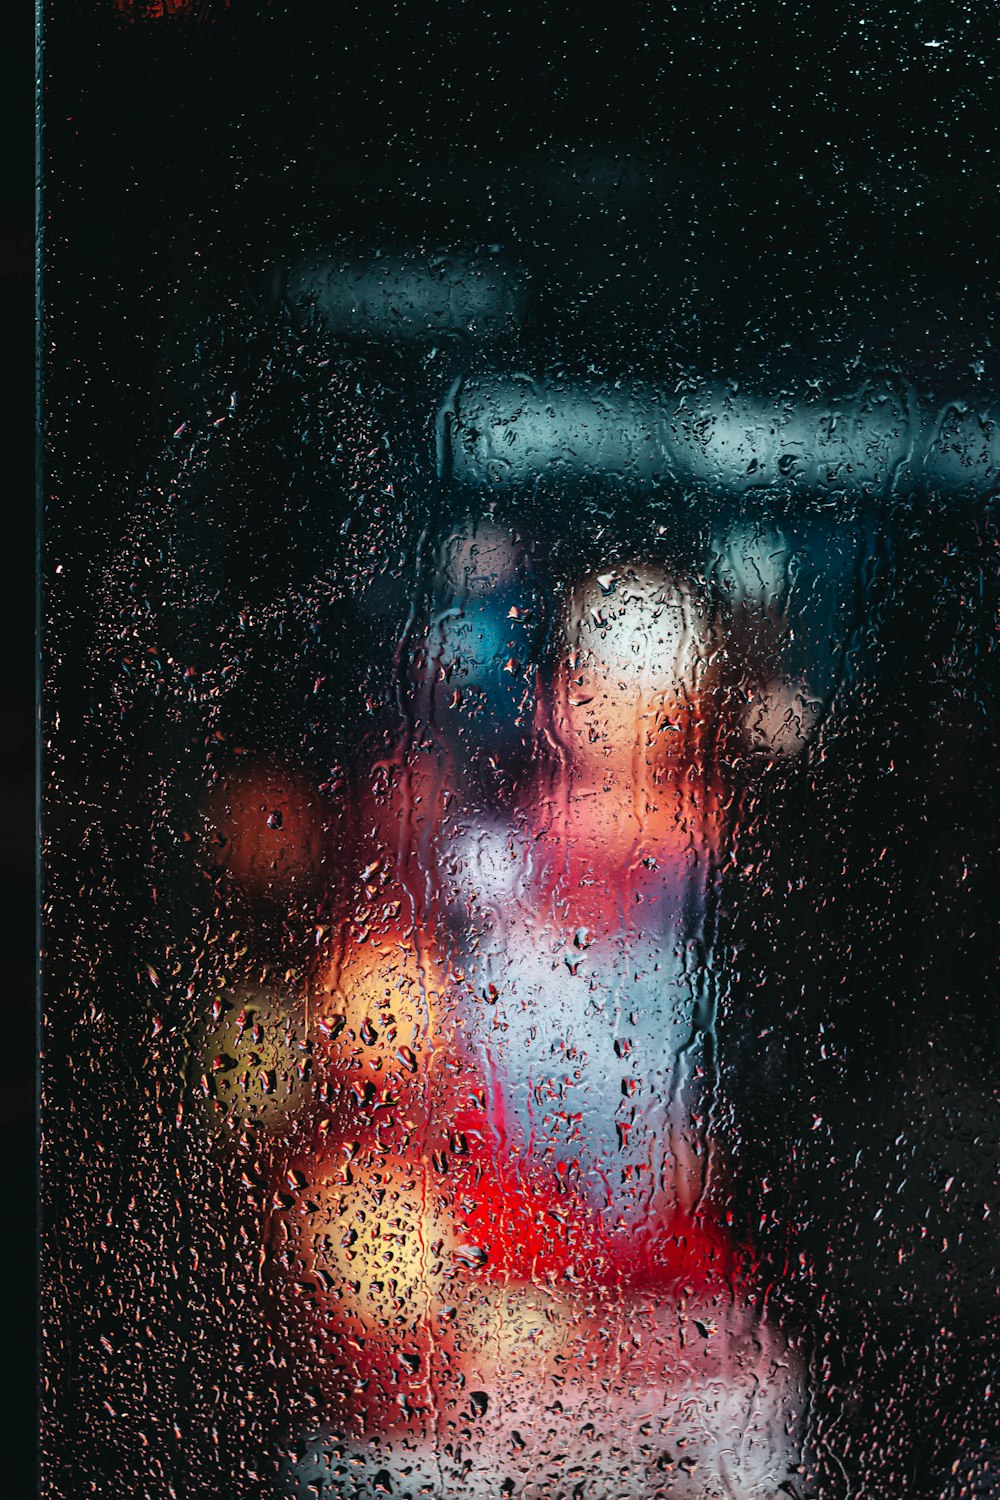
(377, 1245)
(247, 1062)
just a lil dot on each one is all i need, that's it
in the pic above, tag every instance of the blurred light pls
(633, 649)
(485, 864)
(512, 431)
(693, 1400)
(366, 1233)
(753, 566)
(782, 718)
(269, 829)
(471, 295)
(480, 558)
(247, 1062)
(481, 606)
(377, 1010)
(636, 640)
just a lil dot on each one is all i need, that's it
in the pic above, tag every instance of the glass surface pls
(519, 755)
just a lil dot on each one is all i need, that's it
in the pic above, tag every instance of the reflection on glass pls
(532, 1069)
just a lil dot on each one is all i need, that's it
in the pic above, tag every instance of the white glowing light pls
(635, 641)
(703, 1413)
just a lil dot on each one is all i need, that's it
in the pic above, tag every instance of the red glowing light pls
(270, 829)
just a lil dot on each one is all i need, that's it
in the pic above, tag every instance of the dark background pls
(827, 177)
(17, 730)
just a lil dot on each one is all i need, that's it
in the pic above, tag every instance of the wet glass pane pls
(520, 576)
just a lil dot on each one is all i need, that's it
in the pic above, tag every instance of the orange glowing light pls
(378, 1008)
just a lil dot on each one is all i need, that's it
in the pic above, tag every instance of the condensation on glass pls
(535, 1048)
